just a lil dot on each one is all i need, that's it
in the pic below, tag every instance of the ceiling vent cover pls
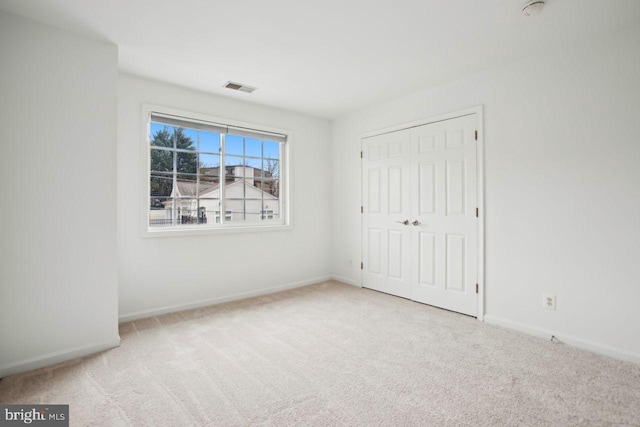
(239, 86)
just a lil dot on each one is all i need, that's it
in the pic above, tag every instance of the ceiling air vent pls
(239, 86)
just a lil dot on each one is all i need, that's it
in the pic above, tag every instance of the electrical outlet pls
(549, 301)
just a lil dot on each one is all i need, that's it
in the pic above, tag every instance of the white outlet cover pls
(549, 301)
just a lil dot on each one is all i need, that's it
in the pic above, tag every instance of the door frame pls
(478, 110)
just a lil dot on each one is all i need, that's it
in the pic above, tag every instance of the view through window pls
(199, 170)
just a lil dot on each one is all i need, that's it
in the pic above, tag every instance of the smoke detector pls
(239, 86)
(532, 7)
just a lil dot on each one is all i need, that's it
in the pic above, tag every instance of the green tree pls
(162, 171)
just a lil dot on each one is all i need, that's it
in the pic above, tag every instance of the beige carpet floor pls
(334, 355)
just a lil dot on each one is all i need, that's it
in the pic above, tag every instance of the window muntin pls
(198, 170)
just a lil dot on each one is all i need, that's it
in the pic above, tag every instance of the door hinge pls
(476, 288)
(361, 209)
(362, 266)
(476, 135)
(476, 212)
(361, 155)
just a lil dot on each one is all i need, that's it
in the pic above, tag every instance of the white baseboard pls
(219, 300)
(346, 280)
(566, 339)
(56, 357)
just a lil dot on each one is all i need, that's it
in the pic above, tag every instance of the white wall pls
(58, 272)
(562, 188)
(168, 273)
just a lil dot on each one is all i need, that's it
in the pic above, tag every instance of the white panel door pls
(386, 209)
(444, 234)
(420, 230)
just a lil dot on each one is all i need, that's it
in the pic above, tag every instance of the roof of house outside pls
(186, 189)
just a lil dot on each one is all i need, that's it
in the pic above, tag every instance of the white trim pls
(218, 300)
(196, 231)
(56, 357)
(346, 280)
(441, 117)
(281, 224)
(478, 110)
(566, 339)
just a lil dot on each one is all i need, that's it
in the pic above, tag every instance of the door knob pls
(405, 222)
(416, 222)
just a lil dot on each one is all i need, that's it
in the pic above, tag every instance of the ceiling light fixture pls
(239, 86)
(532, 7)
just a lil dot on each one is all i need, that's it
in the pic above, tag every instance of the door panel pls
(452, 221)
(427, 187)
(374, 251)
(374, 191)
(396, 204)
(455, 262)
(395, 254)
(454, 187)
(426, 258)
(386, 203)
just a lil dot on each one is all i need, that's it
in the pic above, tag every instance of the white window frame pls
(283, 223)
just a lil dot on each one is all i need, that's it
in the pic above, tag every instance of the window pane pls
(254, 163)
(185, 139)
(234, 161)
(253, 147)
(209, 186)
(269, 186)
(160, 212)
(209, 164)
(234, 144)
(207, 209)
(160, 185)
(192, 134)
(161, 161)
(234, 189)
(236, 209)
(187, 162)
(271, 209)
(159, 203)
(271, 168)
(161, 135)
(253, 208)
(234, 168)
(186, 185)
(271, 150)
(209, 142)
(252, 190)
(154, 128)
(187, 211)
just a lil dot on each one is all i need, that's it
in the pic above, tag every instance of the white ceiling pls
(325, 58)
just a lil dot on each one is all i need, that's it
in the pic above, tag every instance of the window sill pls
(197, 231)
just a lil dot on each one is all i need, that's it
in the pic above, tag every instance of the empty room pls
(408, 213)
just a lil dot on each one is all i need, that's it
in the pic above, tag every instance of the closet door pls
(420, 229)
(444, 231)
(386, 208)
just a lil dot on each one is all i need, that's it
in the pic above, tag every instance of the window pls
(266, 214)
(200, 168)
(228, 216)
